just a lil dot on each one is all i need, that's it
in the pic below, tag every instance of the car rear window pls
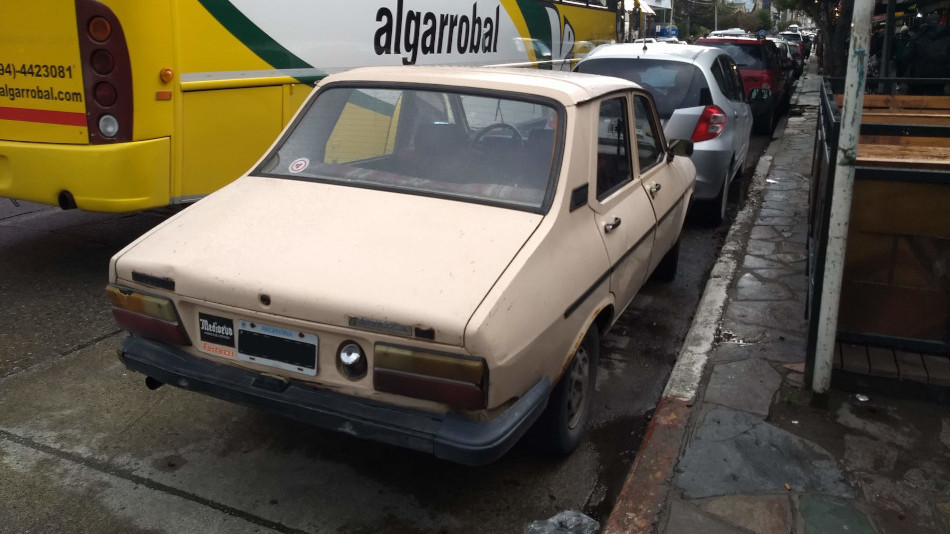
(674, 84)
(746, 56)
(484, 148)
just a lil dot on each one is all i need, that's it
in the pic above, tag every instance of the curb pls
(642, 498)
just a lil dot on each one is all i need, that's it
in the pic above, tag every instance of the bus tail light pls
(454, 380)
(147, 315)
(106, 73)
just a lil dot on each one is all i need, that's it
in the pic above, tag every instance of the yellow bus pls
(121, 105)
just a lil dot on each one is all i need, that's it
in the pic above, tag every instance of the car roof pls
(736, 39)
(672, 51)
(568, 88)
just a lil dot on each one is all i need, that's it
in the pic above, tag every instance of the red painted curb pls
(644, 492)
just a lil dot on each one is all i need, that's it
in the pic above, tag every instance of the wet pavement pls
(760, 453)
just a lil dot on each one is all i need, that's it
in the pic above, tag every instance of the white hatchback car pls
(700, 96)
(426, 257)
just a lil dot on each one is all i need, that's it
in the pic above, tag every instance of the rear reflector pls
(160, 308)
(710, 125)
(447, 378)
(151, 327)
(460, 394)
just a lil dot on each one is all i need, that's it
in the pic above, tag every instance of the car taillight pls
(106, 73)
(454, 380)
(147, 315)
(710, 125)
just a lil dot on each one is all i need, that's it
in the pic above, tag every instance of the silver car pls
(699, 96)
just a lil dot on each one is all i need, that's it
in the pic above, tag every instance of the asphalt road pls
(86, 448)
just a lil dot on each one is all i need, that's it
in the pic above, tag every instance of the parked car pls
(427, 257)
(761, 68)
(700, 96)
(797, 39)
(788, 66)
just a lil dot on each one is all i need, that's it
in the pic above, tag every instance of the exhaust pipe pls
(66, 201)
(153, 384)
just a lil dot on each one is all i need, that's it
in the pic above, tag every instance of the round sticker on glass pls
(299, 165)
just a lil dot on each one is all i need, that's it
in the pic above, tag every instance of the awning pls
(644, 7)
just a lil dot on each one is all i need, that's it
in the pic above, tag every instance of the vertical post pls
(841, 193)
(715, 14)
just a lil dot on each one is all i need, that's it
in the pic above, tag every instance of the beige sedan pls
(426, 257)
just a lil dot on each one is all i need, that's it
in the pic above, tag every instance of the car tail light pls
(710, 125)
(451, 379)
(147, 315)
(107, 73)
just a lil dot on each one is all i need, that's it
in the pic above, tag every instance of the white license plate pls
(290, 350)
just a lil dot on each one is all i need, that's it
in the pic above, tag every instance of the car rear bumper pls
(712, 160)
(448, 436)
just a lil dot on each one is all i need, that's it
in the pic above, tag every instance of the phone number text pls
(36, 70)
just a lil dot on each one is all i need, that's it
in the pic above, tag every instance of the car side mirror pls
(679, 147)
(759, 94)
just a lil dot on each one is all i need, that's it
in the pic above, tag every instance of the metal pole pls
(841, 193)
(715, 14)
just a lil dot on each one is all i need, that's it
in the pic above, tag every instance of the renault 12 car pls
(426, 257)
(699, 96)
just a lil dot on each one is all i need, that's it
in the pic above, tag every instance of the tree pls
(834, 22)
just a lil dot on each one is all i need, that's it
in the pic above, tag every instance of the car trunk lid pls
(328, 253)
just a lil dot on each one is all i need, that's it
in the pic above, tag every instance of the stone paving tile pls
(764, 233)
(781, 315)
(774, 220)
(736, 453)
(826, 516)
(688, 519)
(747, 385)
(755, 262)
(773, 274)
(761, 514)
(758, 247)
(750, 287)
(789, 350)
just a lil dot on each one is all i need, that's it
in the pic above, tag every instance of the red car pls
(761, 68)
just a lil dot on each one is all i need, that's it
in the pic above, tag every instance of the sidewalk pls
(735, 445)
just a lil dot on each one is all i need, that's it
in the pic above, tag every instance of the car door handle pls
(654, 189)
(610, 227)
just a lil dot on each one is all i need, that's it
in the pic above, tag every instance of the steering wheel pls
(496, 126)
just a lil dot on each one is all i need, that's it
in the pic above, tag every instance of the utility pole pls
(841, 194)
(715, 14)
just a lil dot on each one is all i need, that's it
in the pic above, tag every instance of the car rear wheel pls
(713, 211)
(563, 425)
(666, 270)
(765, 123)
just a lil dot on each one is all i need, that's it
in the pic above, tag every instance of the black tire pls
(765, 123)
(713, 211)
(666, 270)
(563, 425)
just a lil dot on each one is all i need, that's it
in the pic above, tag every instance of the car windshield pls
(789, 36)
(747, 56)
(674, 84)
(493, 149)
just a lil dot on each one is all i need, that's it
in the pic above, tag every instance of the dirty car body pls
(426, 257)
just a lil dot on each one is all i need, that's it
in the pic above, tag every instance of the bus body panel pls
(240, 69)
(41, 87)
(116, 177)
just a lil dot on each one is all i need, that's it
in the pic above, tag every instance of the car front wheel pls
(563, 426)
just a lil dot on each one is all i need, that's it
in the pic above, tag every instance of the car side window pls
(733, 76)
(613, 159)
(649, 149)
(720, 77)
